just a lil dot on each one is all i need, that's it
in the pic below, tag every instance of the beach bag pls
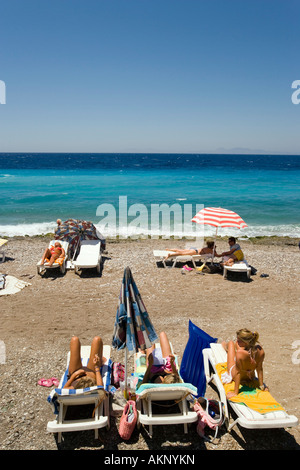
(210, 414)
(128, 420)
(118, 374)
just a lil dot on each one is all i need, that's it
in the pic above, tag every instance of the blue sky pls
(149, 75)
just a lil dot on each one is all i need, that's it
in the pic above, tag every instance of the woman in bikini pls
(89, 376)
(163, 373)
(210, 247)
(51, 254)
(244, 357)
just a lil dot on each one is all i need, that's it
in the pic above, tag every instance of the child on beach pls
(244, 357)
(51, 254)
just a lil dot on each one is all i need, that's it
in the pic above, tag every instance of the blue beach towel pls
(192, 368)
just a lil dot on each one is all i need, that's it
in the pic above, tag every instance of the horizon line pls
(261, 153)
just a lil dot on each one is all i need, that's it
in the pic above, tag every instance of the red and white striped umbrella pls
(218, 217)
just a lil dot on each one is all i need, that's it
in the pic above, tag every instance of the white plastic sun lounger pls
(60, 399)
(89, 255)
(62, 267)
(239, 267)
(150, 394)
(160, 255)
(246, 417)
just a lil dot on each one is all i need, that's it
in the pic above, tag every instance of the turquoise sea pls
(36, 189)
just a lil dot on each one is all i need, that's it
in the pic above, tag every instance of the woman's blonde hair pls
(249, 337)
(171, 379)
(85, 382)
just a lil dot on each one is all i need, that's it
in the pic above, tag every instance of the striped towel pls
(62, 392)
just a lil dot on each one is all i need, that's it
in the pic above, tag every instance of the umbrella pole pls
(75, 250)
(125, 378)
(214, 245)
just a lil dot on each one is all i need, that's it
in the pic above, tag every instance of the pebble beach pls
(38, 322)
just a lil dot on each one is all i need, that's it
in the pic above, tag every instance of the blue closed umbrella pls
(133, 329)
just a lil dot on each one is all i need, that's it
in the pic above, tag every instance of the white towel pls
(13, 285)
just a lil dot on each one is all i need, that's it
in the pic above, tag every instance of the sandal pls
(187, 268)
(45, 382)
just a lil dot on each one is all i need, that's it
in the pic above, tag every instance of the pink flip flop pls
(45, 382)
(187, 268)
(55, 381)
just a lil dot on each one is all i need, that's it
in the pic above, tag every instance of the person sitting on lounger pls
(207, 250)
(89, 376)
(162, 373)
(244, 357)
(52, 254)
(234, 254)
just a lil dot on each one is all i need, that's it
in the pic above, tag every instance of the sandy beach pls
(38, 322)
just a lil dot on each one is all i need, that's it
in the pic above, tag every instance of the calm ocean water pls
(36, 189)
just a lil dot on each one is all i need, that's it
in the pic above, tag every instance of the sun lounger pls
(89, 255)
(239, 267)
(60, 399)
(59, 262)
(151, 394)
(247, 415)
(160, 256)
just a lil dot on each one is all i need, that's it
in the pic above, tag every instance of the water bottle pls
(132, 382)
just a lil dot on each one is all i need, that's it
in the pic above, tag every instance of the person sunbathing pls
(244, 357)
(52, 254)
(89, 376)
(234, 253)
(207, 250)
(161, 373)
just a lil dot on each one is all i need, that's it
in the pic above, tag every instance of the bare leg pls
(51, 257)
(75, 356)
(231, 261)
(96, 349)
(180, 252)
(235, 373)
(47, 254)
(149, 351)
(230, 355)
(165, 345)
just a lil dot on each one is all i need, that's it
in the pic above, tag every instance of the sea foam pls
(44, 228)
